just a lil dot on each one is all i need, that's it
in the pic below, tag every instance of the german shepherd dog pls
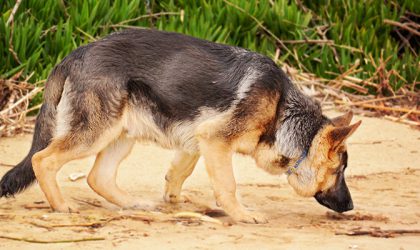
(197, 97)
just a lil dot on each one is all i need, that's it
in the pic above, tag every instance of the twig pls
(356, 217)
(379, 232)
(36, 206)
(123, 23)
(354, 86)
(308, 41)
(6, 165)
(402, 26)
(379, 99)
(126, 26)
(339, 79)
(41, 225)
(412, 14)
(26, 111)
(11, 49)
(406, 42)
(276, 55)
(201, 217)
(15, 97)
(322, 34)
(11, 22)
(50, 241)
(404, 110)
(353, 79)
(87, 202)
(146, 218)
(352, 49)
(92, 39)
(149, 15)
(92, 225)
(24, 98)
(407, 122)
(14, 10)
(357, 80)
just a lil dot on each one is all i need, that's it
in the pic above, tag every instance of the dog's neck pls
(299, 121)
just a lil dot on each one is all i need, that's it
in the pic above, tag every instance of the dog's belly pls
(139, 124)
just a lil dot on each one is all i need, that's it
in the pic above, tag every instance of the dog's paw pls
(170, 198)
(173, 198)
(250, 217)
(66, 208)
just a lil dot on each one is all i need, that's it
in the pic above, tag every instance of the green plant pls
(324, 37)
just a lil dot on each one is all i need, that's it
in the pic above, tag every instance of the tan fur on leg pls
(102, 177)
(181, 167)
(46, 164)
(218, 159)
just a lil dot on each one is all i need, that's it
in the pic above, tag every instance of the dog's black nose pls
(333, 203)
(342, 207)
(350, 206)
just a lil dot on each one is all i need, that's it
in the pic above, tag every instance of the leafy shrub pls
(46, 31)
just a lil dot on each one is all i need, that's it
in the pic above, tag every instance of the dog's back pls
(182, 72)
(166, 83)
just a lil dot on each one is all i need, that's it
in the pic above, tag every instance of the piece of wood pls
(36, 206)
(316, 41)
(87, 202)
(12, 15)
(198, 216)
(371, 106)
(402, 26)
(404, 121)
(389, 233)
(379, 99)
(24, 98)
(33, 240)
(6, 165)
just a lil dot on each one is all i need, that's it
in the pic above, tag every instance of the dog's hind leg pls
(48, 162)
(181, 167)
(102, 177)
(88, 120)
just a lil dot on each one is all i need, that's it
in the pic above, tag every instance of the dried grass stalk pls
(401, 106)
(15, 97)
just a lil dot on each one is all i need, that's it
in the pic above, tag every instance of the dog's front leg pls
(218, 160)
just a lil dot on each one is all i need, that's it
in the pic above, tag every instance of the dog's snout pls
(350, 206)
(333, 202)
(340, 208)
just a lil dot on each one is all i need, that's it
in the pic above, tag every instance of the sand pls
(383, 177)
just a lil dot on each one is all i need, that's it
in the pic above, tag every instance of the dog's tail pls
(22, 175)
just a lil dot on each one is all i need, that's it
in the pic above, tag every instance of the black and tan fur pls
(196, 97)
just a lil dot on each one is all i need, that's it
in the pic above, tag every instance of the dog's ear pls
(343, 120)
(337, 135)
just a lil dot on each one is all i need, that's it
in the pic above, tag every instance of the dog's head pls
(321, 173)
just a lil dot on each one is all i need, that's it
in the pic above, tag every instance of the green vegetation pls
(353, 32)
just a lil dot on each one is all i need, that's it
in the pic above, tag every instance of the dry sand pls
(383, 177)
